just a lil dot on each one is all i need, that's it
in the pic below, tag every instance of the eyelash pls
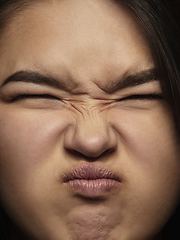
(152, 96)
(34, 96)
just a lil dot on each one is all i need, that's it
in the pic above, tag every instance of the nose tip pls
(90, 140)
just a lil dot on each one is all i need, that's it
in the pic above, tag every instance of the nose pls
(90, 137)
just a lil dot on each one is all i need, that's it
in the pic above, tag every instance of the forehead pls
(93, 39)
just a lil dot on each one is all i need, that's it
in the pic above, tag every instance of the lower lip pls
(93, 188)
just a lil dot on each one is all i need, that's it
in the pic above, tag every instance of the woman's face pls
(88, 147)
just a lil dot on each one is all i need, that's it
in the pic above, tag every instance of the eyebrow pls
(41, 79)
(133, 80)
(38, 78)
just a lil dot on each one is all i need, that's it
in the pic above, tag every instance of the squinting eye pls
(152, 96)
(34, 96)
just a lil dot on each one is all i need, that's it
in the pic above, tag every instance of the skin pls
(89, 45)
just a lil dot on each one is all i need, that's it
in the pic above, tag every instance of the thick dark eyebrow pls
(132, 80)
(38, 78)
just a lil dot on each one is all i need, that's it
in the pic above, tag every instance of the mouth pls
(91, 180)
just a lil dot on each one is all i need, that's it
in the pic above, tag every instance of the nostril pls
(90, 140)
(75, 153)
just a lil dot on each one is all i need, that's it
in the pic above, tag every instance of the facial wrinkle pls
(91, 224)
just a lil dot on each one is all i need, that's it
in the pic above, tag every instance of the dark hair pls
(160, 21)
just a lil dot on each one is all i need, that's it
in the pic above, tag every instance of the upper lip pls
(89, 171)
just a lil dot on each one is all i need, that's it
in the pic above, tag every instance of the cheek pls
(28, 133)
(151, 136)
(150, 157)
(149, 149)
(149, 160)
(27, 141)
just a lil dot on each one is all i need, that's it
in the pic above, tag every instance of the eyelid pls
(12, 90)
(15, 92)
(21, 96)
(153, 96)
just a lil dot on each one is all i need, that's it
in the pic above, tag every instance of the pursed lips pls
(91, 180)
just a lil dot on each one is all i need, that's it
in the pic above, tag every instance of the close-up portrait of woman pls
(89, 120)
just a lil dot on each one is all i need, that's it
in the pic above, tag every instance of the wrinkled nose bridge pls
(91, 135)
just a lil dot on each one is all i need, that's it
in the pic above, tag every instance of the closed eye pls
(152, 96)
(34, 96)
